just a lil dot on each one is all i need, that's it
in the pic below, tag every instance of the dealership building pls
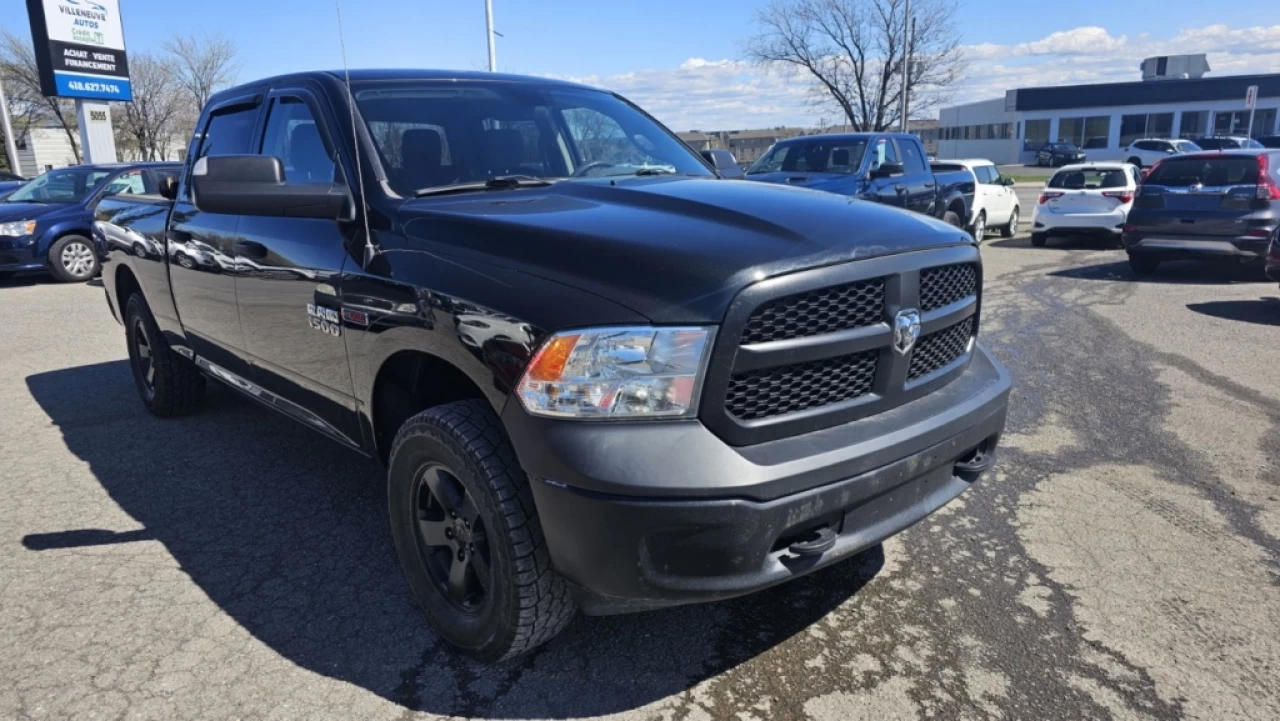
(1173, 99)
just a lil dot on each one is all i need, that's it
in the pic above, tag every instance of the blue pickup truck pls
(888, 168)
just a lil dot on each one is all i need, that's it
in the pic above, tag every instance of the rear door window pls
(912, 160)
(1209, 172)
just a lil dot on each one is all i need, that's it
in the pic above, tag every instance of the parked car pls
(1272, 265)
(1092, 199)
(888, 168)
(724, 163)
(1269, 141)
(1226, 142)
(47, 224)
(995, 204)
(9, 182)
(1206, 205)
(1054, 154)
(609, 381)
(1147, 152)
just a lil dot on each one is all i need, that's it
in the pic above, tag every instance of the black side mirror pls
(1006, 180)
(255, 185)
(887, 169)
(720, 159)
(168, 187)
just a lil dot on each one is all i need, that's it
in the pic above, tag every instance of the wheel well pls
(957, 207)
(126, 285)
(410, 382)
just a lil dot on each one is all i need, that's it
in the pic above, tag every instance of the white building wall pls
(1000, 151)
(45, 148)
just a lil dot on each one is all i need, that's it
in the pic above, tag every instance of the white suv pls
(1149, 151)
(995, 204)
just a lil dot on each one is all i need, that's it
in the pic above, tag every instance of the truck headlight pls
(18, 228)
(617, 373)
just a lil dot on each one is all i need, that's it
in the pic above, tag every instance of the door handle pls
(928, 185)
(900, 188)
(249, 249)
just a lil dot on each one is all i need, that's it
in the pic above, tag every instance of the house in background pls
(43, 148)
(696, 139)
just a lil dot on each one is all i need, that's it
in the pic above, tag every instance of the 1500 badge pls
(325, 319)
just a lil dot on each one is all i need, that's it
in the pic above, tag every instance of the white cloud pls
(721, 94)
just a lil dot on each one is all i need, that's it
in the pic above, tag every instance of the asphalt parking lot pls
(1122, 563)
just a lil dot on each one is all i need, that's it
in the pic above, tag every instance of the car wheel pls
(1143, 264)
(952, 218)
(1011, 229)
(1037, 239)
(170, 385)
(980, 227)
(72, 259)
(1136, 161)
(139, 250)
(468, 535)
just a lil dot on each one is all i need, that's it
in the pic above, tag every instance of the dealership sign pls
(79, 47)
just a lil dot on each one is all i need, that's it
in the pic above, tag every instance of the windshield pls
(437, 134)
(1212, 171)
(68, 185)
(818, 155)
(1089, 179)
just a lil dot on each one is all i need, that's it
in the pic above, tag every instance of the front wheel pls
(952, 218)
(468, 535)
(72, 259)
(1011, 229)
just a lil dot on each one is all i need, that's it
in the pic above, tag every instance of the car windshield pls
(1089, 179)
(68, 185)
(438, 134)
(819, 155)
(1212, 171)
(1186, 146)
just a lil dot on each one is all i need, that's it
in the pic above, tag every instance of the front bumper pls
(1173, 247)
(19, 254)
(646, 515)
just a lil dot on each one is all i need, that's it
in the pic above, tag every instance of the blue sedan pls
(47, 223)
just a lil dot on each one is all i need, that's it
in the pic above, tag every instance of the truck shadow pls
(287, 534)
(1178, 272)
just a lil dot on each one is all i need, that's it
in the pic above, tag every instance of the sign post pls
(79, 47)
(10, 142)
(1251, 102)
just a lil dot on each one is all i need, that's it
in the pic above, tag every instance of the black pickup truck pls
(888, 168)
(598, 376)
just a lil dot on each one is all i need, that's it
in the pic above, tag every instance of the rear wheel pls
(952, 218)
(170, 385)
(1142, 264)
(72, 259)
(980, 227)
(1136, 161)
(468, 534)
(1037, 239)
(1010, 230)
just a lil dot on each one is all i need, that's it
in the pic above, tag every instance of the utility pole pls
(906, 59)
(10, 143)
(488, 22)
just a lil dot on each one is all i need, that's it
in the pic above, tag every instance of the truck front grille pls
(791, 388)
(815, 348)
(938, 349)
(852, 305)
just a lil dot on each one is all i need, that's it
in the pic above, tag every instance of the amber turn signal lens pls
(548, 365)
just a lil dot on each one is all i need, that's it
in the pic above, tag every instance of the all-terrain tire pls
(526, 603)
(169, 384)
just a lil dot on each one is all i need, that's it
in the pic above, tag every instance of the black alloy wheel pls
(452, 539)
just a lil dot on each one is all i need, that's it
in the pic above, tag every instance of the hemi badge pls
(356, 317)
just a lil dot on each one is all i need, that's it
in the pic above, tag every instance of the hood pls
(675, 250)
(29, 211)
(839, 183)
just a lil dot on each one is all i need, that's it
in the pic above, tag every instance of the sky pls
(682, 60)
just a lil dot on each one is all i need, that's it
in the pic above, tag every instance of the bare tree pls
(22, 82)
(204, 65)
(146, 125)
(852, 53)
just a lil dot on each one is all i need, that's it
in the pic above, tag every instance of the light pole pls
(10, 143)
(906, 59)
(488, 22)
